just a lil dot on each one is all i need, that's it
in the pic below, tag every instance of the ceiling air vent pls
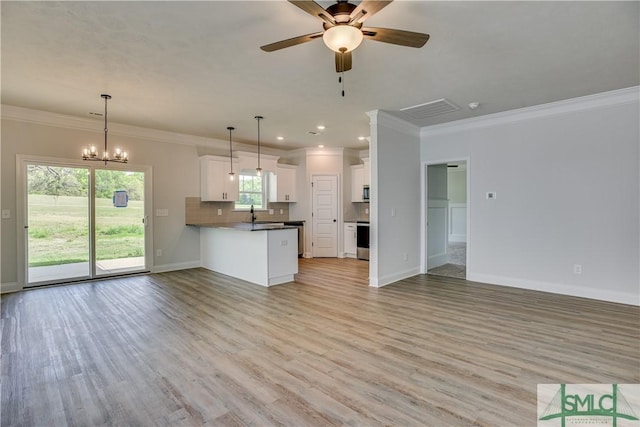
(430, 109)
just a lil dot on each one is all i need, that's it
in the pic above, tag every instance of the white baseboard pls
(378, 282)
(8, 287)
(163, 268)
(558, 288)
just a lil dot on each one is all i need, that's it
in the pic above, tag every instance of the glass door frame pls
(22, 162)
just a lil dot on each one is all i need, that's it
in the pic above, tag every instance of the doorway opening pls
(447, 219)
(83, 222)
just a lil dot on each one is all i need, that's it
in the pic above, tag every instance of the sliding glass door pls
(83, 222)
(58, 244)
(119, 221)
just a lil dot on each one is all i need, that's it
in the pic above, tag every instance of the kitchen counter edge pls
(245, 226)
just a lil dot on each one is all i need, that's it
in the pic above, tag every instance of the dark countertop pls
(247, 226)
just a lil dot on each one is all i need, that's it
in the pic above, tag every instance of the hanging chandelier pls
(231, 174)
(259, 169)
(91, 153)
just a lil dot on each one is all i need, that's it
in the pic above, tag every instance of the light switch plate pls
(6, 214)
(162, 212)
(491, 195)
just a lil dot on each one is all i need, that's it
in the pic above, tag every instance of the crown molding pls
(384, 118)
(314, 151)
(46, 118)
(599, 100)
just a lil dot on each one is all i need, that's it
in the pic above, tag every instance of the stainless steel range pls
(362, 239)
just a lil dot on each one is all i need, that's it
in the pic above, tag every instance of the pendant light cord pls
(259, 169)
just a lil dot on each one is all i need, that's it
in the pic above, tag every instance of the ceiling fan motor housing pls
(341, 11)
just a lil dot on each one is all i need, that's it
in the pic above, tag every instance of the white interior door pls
(325, 216)
(437, 214)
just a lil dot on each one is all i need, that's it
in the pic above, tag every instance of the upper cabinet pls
(215, 184)
(357, 182)
(360, 176)
(366, 173)
(282, 184)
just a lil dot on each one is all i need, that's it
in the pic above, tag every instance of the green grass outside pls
(59, 230)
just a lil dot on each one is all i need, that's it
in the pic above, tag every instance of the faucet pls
(253, 217)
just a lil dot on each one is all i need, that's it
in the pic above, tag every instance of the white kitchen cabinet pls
(360, 176)
(282, 184)
(215, 185)
(366, 173)
(350, 239)
(357, 182)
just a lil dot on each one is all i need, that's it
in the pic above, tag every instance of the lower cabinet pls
(350, 235)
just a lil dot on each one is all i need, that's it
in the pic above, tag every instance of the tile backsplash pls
(199, 212)
(362, 210)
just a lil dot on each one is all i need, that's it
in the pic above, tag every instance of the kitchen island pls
(264, 254)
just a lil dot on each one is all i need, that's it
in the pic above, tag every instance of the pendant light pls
(91, 153)
(259, 169)
(231, 174)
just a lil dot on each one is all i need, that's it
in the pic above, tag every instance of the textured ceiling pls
(196, 67)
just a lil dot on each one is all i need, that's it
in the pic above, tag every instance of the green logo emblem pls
(586, 404)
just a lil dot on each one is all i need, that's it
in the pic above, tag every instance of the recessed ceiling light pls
(280, 138)
(321, 127)
(361, 138)
(320, 146)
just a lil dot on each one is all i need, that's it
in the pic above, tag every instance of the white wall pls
(566, 177)
(457, 185)
(395, 199)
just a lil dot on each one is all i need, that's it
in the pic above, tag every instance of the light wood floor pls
(197, 348)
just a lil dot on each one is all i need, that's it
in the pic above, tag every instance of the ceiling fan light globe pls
(342, 37)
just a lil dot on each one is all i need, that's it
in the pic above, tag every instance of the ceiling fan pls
(343, 30)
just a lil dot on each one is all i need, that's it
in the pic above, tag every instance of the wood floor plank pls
(195, 347)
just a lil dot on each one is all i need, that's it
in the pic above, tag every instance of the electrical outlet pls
(219, 212)
(158, 252)
(577, 268)
(406, 256)
(366, 210)
(281, 211)
(270, 211)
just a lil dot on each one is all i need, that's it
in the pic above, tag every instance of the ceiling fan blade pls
(313, 8)
(290, 42)
(366, 9)
(400, 37)
(343, 61)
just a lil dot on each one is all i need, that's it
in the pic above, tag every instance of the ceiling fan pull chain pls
(341, 78)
